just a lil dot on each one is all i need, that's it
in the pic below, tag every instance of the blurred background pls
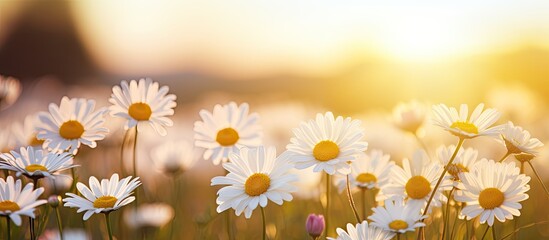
(289, 60)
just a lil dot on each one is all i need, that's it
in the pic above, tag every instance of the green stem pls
(523, 227)
(398, 236)
(31, 220)
(108, 220)
(494, 232)
(460, 142)
(455, 222)
(505, 156)
(485, 232)
(74, 179)
(59, 223)
(124, 140)
(539, 178)
(264, 224)
(447, 216)
(351, 200)
(327, 214)
(363, 195)
(174, 203)
(9, 227)
(135, 166)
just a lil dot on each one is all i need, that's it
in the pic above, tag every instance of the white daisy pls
(10, 89)
(70, 124)
(225, 130)
(369, 172)
(15, 201)
(107, 196)
(465, 126)
(416, 180)
(36, 163)
(517, 140)
(398, 216)
(149, 215)
(25, 134)
(363, 232)
(143, 102)
(409, 116)
(464, 161)
(328, 144)
(491, 190)
(174, 157)
(255, 176)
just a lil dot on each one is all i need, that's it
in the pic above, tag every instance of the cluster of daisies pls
(396, 198)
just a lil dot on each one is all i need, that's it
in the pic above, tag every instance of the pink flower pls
(315, 225)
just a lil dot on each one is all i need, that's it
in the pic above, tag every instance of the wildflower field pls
(394, 145)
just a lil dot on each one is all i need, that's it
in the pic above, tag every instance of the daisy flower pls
(105, 197)
(398, 216)
(174, 157)
(149, 215)
(492, 190)
(15, 201)
(362, 232)
(409, 116)
(25, 134)
(36, 163)
(225, 130)
(369, 172)
(517, 140)
(464, 161)
(70, 124)
(416, 180)
(143, 102)
(255, 176)
(327, 143)
(464, 126)
(10, 89)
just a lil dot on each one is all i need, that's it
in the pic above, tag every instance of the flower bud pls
(315, 225)
(54, 200)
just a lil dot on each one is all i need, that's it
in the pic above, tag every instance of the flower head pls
(463, 162)
(363, 232)
(225, 130)
(255, 176)
(174, 157)
(70, 124)
(398, 216)
(107, 196)
(15, 201)
(315, 225)
(518, 140)
(26, 134)
(143, 101)
(492, 190)
(36, 163)
(465, 126)
(327, 143)
(409, 116)
(370, 171)
(10, 89)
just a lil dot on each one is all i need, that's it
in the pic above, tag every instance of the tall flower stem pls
(59, 223)
(9, 227)
(505, 156)
(264, 224)
(351, 201)
(135, 166)
(485, 232)
(327, 214)
(108, 220)
(174, 203)
(363, 196)
(447, 216)
(494, 232)
(122, 145)
(31, 220)
(539, 178)
(460, 143)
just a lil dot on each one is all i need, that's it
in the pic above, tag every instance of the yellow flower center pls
(325, 150)
(8, 206)
(466, 127)
(455, 169)
(418, 187)
(491, 198)
(398, 225)
(104, 202)
(36, 167)
(227, 137)
(257, 184)
(71, 130)
(140, 111)
(35, 141)
(366, 178)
